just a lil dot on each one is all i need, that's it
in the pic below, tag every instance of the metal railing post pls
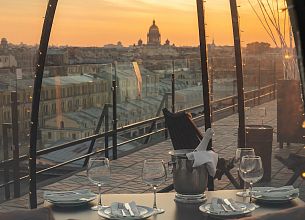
(233, 104)
(173, 88)
(106, 138)
(96, 131)
(259, 82)
(166, 106)
(153, 124)
(274, 78)
(16, 168)
(114, 121)
(6, 173)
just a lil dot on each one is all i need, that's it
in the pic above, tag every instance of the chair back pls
(182, 130)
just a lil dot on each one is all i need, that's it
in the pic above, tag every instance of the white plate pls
(271, 200)
(69, 198)
(276, 199)
(145, 212)
(205, 208)
(70, 203)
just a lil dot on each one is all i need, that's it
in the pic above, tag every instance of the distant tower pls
(140, 42)
(167, 42)
(154, 36)
(4, 43)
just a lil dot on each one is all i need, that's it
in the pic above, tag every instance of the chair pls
(294, 162)
(184, 134)
(35, 214)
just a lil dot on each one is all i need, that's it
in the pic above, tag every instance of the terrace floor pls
(126, 171)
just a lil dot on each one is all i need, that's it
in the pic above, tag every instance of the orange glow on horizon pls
(96, 23)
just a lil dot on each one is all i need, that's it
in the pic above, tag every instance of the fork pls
(120, 207)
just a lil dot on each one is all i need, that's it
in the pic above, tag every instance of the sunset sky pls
(99, 22)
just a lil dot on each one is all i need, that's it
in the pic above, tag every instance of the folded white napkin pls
(275, 192)
(210, 158)
(117, 207)
(218, 206)
(201, 156)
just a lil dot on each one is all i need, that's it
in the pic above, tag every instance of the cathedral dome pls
(153, 36)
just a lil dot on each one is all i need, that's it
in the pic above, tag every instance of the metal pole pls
(205, 76)
(204, 67)
(259, 81)
(114, 118)
(212, 79)
(5, 127)
(173, 87)
(297, 19)
(153, 124)
(44, 41)
(16, 168)
(239, 75)
(106, 130)
(274, 77)
(97, 130)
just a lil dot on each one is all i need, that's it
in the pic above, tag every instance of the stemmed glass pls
(98, 172)
(154, 174)
(251, 170)
(240, 152)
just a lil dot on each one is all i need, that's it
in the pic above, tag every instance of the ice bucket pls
(187, 180)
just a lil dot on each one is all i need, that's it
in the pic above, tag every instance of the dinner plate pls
(145, 212)
(259, 196)
(69, 198)
(275, 200)
(248, 208)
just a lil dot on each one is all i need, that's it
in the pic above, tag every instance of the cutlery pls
(123, 213)
(225, 208)
(229, 204)
(127, 206)
(221, 203)
(121, 207)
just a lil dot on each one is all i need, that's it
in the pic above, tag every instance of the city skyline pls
(97, 23)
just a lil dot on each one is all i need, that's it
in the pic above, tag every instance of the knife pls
(127, 206)
(229, 204)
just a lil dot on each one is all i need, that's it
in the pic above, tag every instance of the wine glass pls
(154, 174)
(251, 170)
(240, 152)
(98, 172)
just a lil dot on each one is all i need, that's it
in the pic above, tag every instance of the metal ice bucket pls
(187, 180)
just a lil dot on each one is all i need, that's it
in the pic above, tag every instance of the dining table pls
(173, 210)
